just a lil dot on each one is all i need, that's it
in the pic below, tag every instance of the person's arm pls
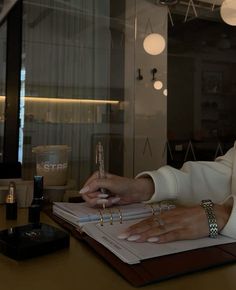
(180, 223)
(121, 190)
(195, 181)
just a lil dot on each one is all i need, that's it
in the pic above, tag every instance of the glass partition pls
(81, 67)
(88, 75)
(73, 62)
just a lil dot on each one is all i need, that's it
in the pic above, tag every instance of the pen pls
(100, 163)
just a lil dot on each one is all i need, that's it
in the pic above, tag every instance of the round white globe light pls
(158, 85)
(228, 12)
(154, 44)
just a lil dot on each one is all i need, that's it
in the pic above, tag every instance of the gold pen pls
(100, 163)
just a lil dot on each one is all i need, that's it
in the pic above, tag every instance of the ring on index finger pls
(159, 220)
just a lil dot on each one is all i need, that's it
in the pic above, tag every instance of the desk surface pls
(80, 268)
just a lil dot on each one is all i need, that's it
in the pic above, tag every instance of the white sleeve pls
(195, 181)
(230, 229)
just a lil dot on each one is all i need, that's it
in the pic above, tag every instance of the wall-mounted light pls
(154, 43)
(228, 12)
(158, 85)
(154, 71)
(139, 77)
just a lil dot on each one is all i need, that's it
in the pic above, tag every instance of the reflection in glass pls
(158, 85)
(228, 12)
(2, 84)
(201, 85)
(154, 43)
(71, 96)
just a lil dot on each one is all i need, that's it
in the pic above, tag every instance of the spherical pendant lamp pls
(154, 44)
(228, 12)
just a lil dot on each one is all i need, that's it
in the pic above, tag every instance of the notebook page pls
(144, 250)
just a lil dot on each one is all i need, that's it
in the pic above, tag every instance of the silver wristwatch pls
(208, 206)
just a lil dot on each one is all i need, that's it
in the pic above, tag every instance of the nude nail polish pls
(153, 239)
(115, 200)
(123, 236)
(102, 201)
(84, 190)
(133, 238)
(103, 195)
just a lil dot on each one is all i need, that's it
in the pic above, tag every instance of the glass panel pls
(87, 78)
(201, 83)
(2, 84)
(72, 94)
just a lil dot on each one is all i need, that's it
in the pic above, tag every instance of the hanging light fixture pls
(228, 12)
(154, 43)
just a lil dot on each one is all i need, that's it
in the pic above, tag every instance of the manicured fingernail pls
(133, 238)
(123, 236)
(153, 239)
(84, 190)
(115, 200)
(103, 195)
(102, 201)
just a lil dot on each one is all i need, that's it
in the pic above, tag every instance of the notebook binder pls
(117, 211)
(81, 214)
(161, 268)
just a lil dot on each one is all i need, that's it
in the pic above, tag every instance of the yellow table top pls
(80, 268)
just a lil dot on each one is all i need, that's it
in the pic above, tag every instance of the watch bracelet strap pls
(211, 218)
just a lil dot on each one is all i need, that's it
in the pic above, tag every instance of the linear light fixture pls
(69, 101)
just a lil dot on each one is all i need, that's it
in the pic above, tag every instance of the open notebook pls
(105, 225)
(80, 214)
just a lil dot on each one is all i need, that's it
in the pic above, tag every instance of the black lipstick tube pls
(36, 205)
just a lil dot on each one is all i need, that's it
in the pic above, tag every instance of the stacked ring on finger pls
(159, 220)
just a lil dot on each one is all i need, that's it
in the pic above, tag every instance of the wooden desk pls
(80, 268)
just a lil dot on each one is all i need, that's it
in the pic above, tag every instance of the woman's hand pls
(180, 223)
(120, 190)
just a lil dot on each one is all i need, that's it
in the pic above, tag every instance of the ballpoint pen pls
(100, 163)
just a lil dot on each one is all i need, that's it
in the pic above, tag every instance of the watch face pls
(207, 203)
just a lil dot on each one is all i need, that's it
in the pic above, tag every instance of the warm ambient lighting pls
(158, 85)
(154, 43)
(228, 12)
(57, 100)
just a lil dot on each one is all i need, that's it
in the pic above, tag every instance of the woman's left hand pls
(180, 223)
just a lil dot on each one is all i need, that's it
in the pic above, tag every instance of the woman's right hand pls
(120, 190)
